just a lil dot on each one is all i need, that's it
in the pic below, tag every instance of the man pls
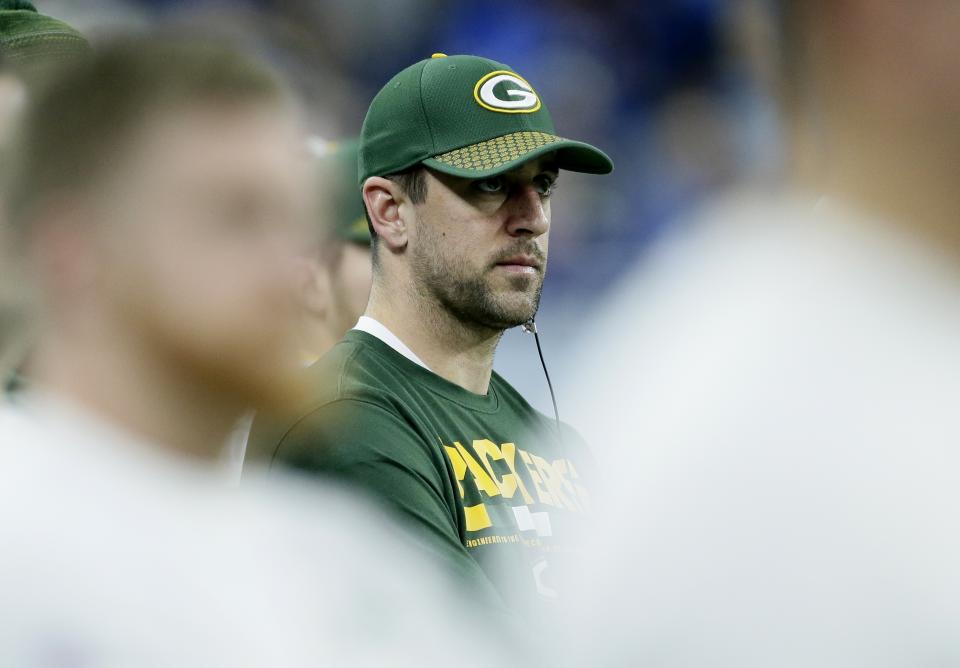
(458, 158)
(336, 274)
(29, 41)
(339, 280)
(791, 366)
(159, 191)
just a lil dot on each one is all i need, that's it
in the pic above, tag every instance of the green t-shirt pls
(484, 479)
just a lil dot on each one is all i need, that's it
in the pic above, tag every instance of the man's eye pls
(546, 185)
(492, 185)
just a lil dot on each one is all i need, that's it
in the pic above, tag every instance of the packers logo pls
(507, 93)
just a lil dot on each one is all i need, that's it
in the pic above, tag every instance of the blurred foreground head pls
(878, 84)
(158, 190)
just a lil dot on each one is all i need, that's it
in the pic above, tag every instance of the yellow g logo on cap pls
(515, 97)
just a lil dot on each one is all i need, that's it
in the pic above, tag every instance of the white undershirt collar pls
(374, 327)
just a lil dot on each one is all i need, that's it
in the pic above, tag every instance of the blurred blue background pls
(676, 91)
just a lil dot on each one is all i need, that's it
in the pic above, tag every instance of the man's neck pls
(139, 394)
(452, 349)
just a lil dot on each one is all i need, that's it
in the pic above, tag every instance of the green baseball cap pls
(344, 211)
(465, 116)
(27, 36)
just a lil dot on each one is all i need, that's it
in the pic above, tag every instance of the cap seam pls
(423, 110)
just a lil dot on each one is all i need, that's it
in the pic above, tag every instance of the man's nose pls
(528, 217)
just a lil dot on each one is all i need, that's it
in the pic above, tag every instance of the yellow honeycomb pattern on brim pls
(495, 152)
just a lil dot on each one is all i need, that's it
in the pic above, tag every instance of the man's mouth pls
(520, 264)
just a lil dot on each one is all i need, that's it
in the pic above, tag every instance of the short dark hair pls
(87, 111)
(413, 181)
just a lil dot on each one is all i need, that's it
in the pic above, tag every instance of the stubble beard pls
(472, 298)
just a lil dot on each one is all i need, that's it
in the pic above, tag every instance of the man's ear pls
(383, 199)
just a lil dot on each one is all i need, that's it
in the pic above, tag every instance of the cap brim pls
(502, 154)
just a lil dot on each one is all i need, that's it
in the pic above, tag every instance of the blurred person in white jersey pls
(158, 191)
(778, 415)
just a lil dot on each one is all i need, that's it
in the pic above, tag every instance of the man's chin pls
(510, 316)
(494, 303)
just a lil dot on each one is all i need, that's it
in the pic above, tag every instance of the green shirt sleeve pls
(366, 446)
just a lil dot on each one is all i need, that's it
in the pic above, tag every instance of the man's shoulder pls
(354, 383)
(354, 369)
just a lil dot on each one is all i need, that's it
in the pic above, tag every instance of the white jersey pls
(114, 554)
(775, 396)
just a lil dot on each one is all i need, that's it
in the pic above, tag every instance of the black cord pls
(531, 328)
